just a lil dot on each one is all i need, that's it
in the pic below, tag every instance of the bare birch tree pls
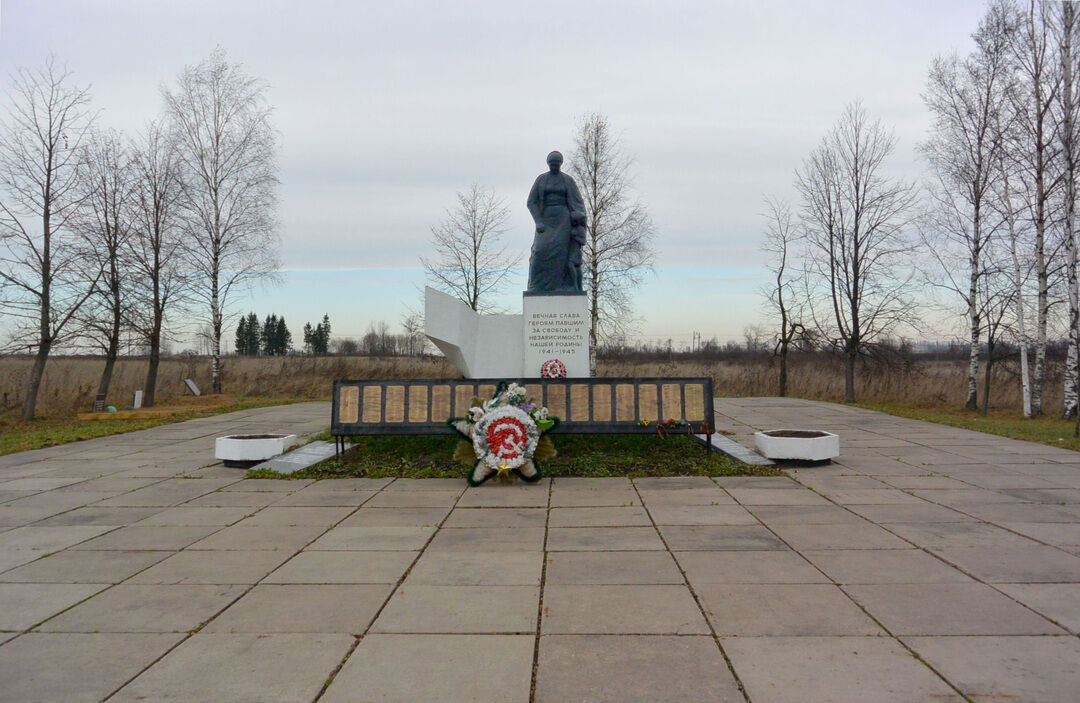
(619, 231)
(1070, 157)
(43, 278)
(854, 216)
(783, 295)
(470, 261)
(227, 151)
(964, 151)
(1035, 152)
(155, 249)
(105, 225)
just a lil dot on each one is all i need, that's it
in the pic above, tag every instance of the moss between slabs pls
(578, 455)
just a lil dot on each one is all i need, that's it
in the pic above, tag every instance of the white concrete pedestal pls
(553, 327)
(556, 327)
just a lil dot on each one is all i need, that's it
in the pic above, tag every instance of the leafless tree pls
(1036, 151)
(469, 260)
(996, 301)
(1009, 209)
(964, 150)
(43, 278)
(105, 225)
(155, 250)
(414, 341)
(226, 148)
(783, 294)
(1067, 27)
(619, 231)
(854, 217)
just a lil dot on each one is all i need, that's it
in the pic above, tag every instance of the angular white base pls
(822, 447)
(510, 346)
(246, 449)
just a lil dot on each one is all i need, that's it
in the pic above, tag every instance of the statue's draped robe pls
(553, 198)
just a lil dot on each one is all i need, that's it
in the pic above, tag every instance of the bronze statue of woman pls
(559, 212)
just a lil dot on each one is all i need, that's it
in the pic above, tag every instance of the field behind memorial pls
(71, 382)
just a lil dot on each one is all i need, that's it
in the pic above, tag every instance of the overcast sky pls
(387, 109)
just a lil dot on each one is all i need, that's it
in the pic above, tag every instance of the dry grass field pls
(70, 382)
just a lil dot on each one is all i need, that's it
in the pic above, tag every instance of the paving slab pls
(1035, 564)
(410, 668)
(748, 567)
(948, 609)
(924, 512)
(690, 496)
(213, 567)
(79, 566)
(633, 669)
(1059, 602)
(494, 517)
(719, 538)
(268, 608)
(94, 665)
(451, 568)
(504, 497)
(290, 516)
(660, 610)
(939, 535)
(325, 499)
(43, 540)
(460, 609)
(185, 515)
(592, 539)
(701, 515)
(235, 668)
(494, 539)
(765, 496)
(839, 536)
(833, 669)
(584, 496)
(139, 608)
(153, 537)
(403, 517)
(374, 538)
(876, 566)
(23, 605)
(92, 515)
(344, 567)
(630, 516)
(1028, 669)
(414, 499)
(613, 568)
(778, 610)
(243, 537)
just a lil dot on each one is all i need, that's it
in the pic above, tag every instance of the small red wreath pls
(507, 438)
(553, 368)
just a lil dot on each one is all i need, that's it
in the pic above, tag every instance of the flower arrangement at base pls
(504, 436)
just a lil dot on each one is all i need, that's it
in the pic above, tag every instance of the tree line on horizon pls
(273, 338)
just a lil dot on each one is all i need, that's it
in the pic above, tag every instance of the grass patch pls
(579, 455)
(19, 436)
(1050, 430)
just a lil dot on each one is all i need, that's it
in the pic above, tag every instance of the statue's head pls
(554, 160)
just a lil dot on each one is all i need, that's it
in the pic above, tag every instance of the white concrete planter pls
(243, 450)
(798, 445)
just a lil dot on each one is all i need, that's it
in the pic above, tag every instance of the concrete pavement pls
(927, 563)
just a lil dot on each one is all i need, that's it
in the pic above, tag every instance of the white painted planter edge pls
(819, 448)
(233, 448)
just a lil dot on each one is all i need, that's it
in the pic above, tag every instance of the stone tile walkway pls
(926, 564)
